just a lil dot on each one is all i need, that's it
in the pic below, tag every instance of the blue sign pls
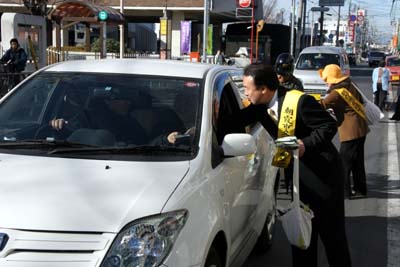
(353, 18)
(103, 15)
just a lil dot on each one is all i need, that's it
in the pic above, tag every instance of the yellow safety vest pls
(287, 126)
(352, 102)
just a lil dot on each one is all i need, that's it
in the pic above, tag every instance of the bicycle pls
(9, 78)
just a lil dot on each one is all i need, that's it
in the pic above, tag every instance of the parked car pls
(374, 57)
(313, 58)
(85, 195)
(393, 64)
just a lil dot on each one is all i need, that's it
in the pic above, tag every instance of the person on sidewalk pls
(380, 84)
(352, 126)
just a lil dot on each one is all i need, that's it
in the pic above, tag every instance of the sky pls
(378, 11)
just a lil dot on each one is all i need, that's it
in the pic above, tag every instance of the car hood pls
(309, 76)
(58, 194)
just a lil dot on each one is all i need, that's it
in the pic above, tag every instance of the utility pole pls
(321, 27)
(121, 33)
(303, 27)
(292, 28)
(299, 30)
(205, 28)
(338, 29)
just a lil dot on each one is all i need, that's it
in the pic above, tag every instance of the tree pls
(269, 11)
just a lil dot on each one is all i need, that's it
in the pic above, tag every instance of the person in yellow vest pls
(321, 171)
(346, 102)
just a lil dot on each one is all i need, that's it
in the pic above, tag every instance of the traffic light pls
(103, 15)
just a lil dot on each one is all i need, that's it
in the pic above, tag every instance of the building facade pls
(145, 11)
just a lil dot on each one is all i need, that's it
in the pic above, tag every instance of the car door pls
(243, 182)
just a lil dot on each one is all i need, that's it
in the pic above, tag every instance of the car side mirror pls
(238, 144)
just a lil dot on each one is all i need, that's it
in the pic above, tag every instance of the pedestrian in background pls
(15, 58)
(314, 129)
(353, 128)
(284, 67)
(219, 57)
(380, 84)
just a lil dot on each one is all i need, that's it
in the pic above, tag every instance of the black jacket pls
(18, 59)
(316, 128)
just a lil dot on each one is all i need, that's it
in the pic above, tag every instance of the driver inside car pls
(111, 113)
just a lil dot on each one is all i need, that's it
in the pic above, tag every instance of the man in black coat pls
(321, 170)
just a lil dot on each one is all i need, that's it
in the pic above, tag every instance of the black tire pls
(264, 241)
(213, 258)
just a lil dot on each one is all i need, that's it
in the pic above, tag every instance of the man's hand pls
(172, 137)
(302, 148)
(58, 124)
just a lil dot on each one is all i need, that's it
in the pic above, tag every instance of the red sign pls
(244, 3)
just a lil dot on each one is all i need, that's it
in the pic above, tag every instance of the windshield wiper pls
(41, 143)
(145, 149)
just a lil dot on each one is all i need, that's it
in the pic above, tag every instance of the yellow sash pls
(287, 126)
(352, 102)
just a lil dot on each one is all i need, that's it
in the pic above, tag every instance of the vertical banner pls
(186, 40)
(163, 38)
(210, 39)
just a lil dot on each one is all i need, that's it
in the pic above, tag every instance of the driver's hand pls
(172, 137)
(58, 124)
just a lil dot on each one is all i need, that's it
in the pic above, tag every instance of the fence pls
(54, 55)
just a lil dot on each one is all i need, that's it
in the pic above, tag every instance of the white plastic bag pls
(296, 218)
(372, 111)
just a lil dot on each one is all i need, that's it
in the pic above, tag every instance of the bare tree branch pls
(269, 11)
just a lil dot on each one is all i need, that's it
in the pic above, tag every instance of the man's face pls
(281, 78)
(14, 45)
(119, 106)
(256, 95)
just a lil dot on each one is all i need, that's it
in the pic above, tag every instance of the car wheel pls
(264, 241)
(213, 259)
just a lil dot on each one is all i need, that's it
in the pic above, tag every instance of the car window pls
(315, 61)
(393, 62)
(103, 110)
(224, 103)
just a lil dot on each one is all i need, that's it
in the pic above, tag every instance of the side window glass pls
(224, 103)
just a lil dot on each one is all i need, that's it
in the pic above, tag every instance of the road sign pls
(103, 15)
(360, 18)
(353, 17)
(244, 3)
(331, 2)
(319, 9)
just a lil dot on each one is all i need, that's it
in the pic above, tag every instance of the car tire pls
(265, 239)
(213, 259)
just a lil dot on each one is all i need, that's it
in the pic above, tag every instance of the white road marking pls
(393, 205)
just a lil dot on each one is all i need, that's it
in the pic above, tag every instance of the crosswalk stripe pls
(393, 233)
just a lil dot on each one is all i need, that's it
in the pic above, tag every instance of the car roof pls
(169, 68)
(322, 49)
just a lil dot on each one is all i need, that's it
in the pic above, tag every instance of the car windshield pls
(98, 111)
(315, 61)
(376, 54)
(393, 62)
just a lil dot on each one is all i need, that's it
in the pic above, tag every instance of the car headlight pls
(146, 242)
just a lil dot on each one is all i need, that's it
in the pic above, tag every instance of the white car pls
(84, 184)
(313, 58)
